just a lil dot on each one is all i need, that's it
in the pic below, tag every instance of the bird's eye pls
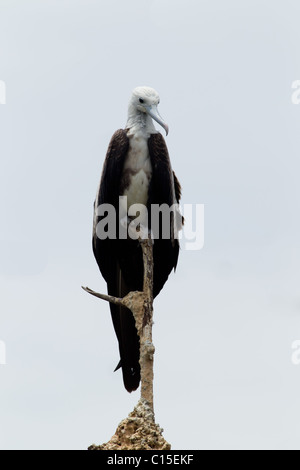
(141, 100)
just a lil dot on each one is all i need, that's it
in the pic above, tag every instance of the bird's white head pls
(142, 107)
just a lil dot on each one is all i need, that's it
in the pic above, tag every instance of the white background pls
(226, 321)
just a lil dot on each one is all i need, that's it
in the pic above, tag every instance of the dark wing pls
(107, 253)
(177, 187)
(108, 193)
(164, 189)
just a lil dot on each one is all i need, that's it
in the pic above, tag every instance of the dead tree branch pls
(141, 306)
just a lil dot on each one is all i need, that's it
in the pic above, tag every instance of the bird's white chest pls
(137, 171)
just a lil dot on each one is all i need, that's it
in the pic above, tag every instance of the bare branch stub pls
(108, 298)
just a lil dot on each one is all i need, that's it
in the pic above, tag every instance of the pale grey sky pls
(226, 321)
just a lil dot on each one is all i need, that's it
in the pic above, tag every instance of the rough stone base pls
(137, 432)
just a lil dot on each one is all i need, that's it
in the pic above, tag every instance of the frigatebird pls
(136, 169)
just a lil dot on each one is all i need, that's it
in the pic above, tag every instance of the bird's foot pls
(124, 222)
(139, 231)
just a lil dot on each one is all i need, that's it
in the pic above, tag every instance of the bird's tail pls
(129, 344)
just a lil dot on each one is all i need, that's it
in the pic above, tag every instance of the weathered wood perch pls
(139, 430)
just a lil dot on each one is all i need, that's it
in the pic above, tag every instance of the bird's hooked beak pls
(153, 112)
